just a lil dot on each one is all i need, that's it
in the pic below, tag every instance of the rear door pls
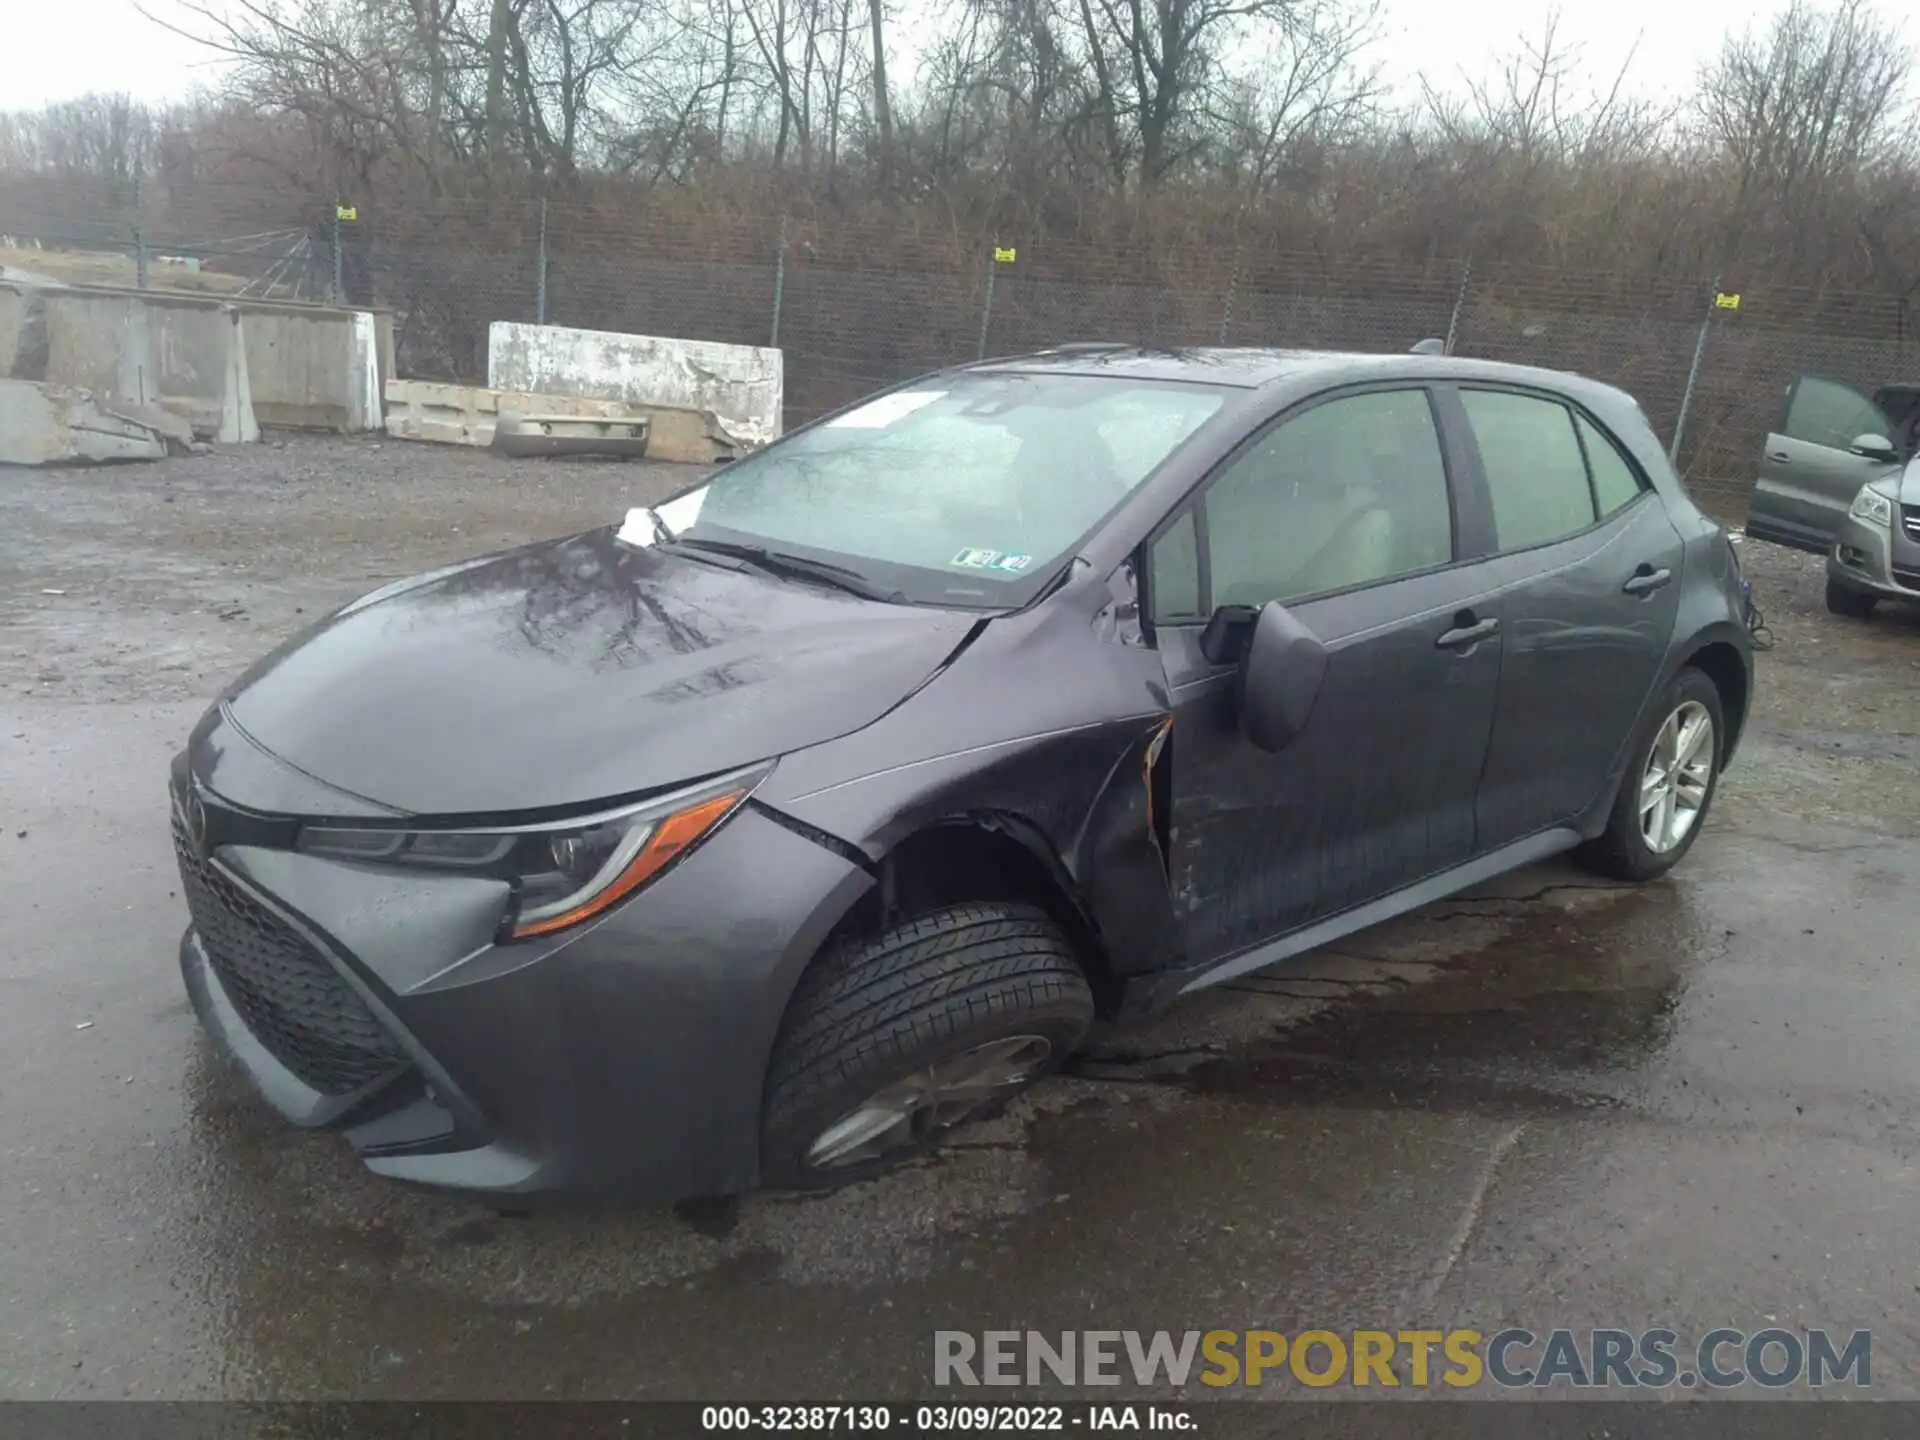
(1588, 567)
(1808, 473)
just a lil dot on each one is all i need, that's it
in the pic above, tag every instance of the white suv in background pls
(1840, 476)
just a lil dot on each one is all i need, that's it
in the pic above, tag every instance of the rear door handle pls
(1782, 457)
(1467, 632)
(1646, 580)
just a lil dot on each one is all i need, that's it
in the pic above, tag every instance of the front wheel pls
(1669, 785)
(891, 1042)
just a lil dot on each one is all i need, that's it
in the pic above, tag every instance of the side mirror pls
(1280, 678)
(1224, 640)
(1874, 447)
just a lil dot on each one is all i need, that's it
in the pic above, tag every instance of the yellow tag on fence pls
(1727, 302)
(1004, 257)
(346, 212)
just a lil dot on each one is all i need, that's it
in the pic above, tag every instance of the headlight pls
(562, 872)
(1873, 506)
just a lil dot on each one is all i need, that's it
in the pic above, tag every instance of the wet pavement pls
(1553, 1103)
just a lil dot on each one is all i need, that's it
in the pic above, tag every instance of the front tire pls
(893, 1041)
(1843, 599)
(1669, 785)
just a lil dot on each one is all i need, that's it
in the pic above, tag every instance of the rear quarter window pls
(1616, 483)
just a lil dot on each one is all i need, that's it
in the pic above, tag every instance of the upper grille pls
(293, 1001)
(1910, 519)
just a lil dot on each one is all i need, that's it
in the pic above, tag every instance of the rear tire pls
(1843, 599)
(986, 994)
(1642, 843)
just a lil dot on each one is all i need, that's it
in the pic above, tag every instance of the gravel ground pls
(1835, 734)
(162, 581)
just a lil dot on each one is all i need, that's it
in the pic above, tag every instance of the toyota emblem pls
(197, 824)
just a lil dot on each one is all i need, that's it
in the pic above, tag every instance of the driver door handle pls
(1467, 632)
(1646, 580)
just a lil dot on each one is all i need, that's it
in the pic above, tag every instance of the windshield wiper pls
(781, 562)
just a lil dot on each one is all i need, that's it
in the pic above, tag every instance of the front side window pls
(1823, 413)
(1348, 493)
(961, 492)
(1536, 474)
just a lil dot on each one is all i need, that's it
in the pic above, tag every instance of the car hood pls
(575, 671)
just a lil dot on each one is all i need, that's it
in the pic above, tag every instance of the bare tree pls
(882, 102)
(1158, 62)
(106, 137)
(1534, 108)
(1311, 89)
(1821, 94)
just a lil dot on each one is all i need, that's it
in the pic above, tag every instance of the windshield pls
(956, 492)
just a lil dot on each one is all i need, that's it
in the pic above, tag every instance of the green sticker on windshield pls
(975, 559)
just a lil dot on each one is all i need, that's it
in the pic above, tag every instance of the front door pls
(1344, 512)
(1808, 473)
(1588, 566)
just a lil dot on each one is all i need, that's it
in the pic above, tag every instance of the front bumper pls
(625, 1057)
(1878, 559)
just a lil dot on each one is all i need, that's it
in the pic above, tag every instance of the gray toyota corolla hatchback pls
(771, 834)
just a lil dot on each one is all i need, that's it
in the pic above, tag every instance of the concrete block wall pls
(466, 415)
(303, 366)
(741, 386)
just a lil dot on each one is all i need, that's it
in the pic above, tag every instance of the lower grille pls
(293, 1001)
(1909, 578)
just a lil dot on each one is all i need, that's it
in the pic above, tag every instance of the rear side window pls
(1536, 474)
(1823, 413)
(1615, 482)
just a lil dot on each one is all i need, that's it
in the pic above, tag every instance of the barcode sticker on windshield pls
(878, 414)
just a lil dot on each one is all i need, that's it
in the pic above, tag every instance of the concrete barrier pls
(239, 424)
(17, 312)
(740, 386)
(316, 368)
(144, 351)
(42, 424)
(467, 414)
(301, 366)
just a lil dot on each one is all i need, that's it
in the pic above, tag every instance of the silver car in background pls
(1841, 476)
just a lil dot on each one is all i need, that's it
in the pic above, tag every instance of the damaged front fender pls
(1086, 794)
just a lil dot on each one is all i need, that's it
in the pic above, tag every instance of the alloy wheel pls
(1673, 790)
(930, 1100)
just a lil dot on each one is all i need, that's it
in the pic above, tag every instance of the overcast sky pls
(56, 49)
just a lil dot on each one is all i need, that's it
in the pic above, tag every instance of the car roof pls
(1255, 368)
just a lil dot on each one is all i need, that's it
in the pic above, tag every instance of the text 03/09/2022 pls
(923, 1419)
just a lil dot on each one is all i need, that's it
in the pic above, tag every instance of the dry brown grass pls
(100, 267)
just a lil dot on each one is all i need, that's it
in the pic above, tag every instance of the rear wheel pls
(1669, 786)
(892, 1042)
(1843, 599)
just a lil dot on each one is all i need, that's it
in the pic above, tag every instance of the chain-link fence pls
(868, 299)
